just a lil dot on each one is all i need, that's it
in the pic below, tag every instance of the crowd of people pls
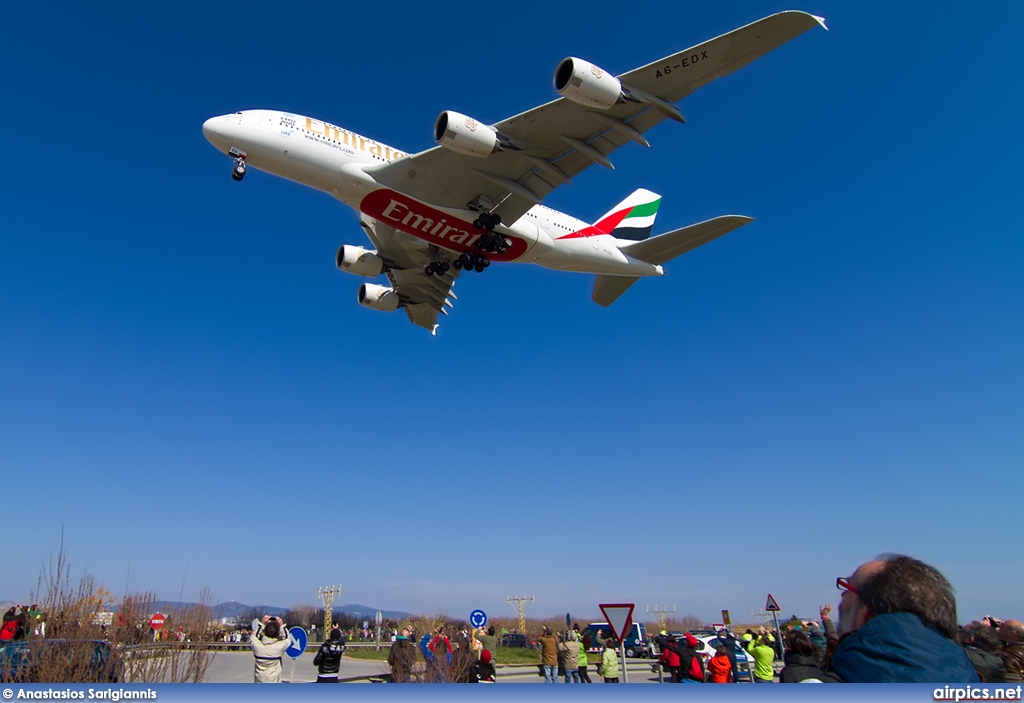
(897, 623)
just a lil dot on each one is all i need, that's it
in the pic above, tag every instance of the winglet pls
(433, 332)
(821, 21)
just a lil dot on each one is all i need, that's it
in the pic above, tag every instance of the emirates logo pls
(470, 124)
(596, 71)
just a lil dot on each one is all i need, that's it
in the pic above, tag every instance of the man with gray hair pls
(897, 623)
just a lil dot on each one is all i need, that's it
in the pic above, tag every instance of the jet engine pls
(586, 84)
(464, 135)
(378, 297)
(359, 261)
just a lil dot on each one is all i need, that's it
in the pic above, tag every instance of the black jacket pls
(990, 667)
(401, 658)
(686, 656)
(800, 667)
(481, 672)
(328, 658)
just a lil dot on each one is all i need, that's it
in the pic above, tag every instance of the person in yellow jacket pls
(763, 651)
(609, 666)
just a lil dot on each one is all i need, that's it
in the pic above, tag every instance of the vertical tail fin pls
(632, 219)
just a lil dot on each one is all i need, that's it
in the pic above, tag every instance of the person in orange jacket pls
(720, 667)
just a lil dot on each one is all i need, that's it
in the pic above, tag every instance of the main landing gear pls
(438, 268)
(238, 172)
(471, 261)
(489, 241)
(474, 260)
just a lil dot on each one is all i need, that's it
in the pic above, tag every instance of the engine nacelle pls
(586, 84)
(464, 135)
(378, 297)
(359, 261)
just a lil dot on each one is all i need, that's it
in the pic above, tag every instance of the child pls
(720, 667)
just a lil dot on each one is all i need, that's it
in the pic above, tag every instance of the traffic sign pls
(378, 618)
(620, 618)
(772, 606)
(298, 639)
(478, 618)
(157, 621)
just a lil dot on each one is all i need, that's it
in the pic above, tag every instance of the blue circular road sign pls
(478, 618)
(298, 639)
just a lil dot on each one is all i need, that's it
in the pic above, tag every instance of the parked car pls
(517, 640)
(709, 644)
(70, 661)
(636, 643)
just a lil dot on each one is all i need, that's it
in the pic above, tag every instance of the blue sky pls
(189, 389)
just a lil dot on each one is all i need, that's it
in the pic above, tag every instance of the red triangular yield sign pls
(772, 605)
(620, 618)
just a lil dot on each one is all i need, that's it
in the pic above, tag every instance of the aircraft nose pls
(214, 131)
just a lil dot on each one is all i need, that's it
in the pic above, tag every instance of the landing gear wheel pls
(443, 267)
(238, 172)
(479, 268)
(457, 264)
(485, 262)
(429, 269)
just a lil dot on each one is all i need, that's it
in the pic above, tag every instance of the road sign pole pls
(778, 632)
(622, 651)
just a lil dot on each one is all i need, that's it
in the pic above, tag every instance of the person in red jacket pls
(720, 667)
(14, 624)
(670, 658)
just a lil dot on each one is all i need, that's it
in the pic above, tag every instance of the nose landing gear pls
(238, 172)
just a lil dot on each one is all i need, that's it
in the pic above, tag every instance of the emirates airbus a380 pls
(475, 198)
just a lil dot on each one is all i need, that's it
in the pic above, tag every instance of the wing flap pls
(422, 297)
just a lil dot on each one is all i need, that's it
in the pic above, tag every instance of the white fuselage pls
(331, 159)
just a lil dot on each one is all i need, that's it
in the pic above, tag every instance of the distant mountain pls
(233, 610)
(368, 613)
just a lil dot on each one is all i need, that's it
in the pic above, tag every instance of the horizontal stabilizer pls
(607, 289)
(665, 247)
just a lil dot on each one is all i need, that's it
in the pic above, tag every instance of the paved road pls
(237, 667)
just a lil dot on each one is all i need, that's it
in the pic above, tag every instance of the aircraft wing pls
(423, 297)
(562, 138)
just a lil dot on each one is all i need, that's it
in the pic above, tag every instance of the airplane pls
(475, 198)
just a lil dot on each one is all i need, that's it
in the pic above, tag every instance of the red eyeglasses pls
(843, 584)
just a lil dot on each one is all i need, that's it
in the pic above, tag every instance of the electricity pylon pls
(660, 614)
(520, 604)
(327, 594)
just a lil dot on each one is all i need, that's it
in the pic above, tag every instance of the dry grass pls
(75, 640)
